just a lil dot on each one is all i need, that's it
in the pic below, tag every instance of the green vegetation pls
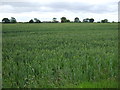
(100, 84)
(51, 55)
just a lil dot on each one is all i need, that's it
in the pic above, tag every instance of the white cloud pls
(47, 9)
(6, 8)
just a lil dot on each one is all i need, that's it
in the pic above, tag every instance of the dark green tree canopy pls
(67, 20)
(5, 20)
(86, 20)
(76, 19)
(91, 20)
(63, 20)
(31, 21)
(13, 20)
(37, 20)
(104, 21)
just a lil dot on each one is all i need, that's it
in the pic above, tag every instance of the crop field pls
(60, 55)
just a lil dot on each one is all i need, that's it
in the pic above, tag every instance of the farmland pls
(51, 55)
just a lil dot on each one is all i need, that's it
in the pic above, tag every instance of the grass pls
(50, 55)
(100, 84)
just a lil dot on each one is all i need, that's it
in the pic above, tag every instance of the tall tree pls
(76, 20)
(63, 19)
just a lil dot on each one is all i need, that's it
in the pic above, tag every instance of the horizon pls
(81, 20)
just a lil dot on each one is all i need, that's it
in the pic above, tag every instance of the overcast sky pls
(45, 10)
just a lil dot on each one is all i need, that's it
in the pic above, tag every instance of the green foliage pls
(76, 20)
(104, 21)
(67, 20)
(5, 20)
(13, 20)
(91, 20)
(63, 20)
(37, 20)
(87, 20)
(31, 21)
(99, 84)
(58, 54)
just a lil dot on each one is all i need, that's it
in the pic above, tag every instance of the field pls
(60, 55)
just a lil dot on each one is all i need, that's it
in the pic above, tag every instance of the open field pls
(55, 55)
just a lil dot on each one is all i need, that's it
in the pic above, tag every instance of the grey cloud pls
(70, 6)
(84, 7)
(60, 7)
(21, 4)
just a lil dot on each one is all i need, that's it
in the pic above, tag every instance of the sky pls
(46, 10)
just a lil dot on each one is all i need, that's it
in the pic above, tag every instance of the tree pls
(5, 20)
(63, 19)
(91, 20)
(113, 21)
(54, 19)
(104, 21)
(37, 20)
(67, 20)
(98, 21)
(86, 20)
(76, 20)
(31, 21)
(13, 20)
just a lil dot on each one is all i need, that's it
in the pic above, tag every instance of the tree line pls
(54, 20)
